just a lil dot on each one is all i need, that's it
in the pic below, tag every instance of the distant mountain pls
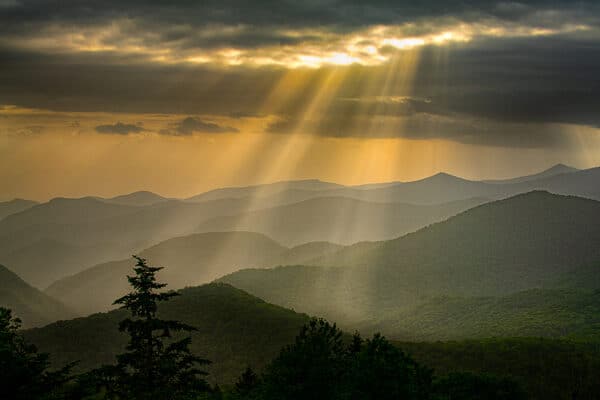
(234, 330)
(99, 230)
(33, 307)
(307, 252)
(38, 261)
(436, 189)
(189, 260)
(525, 242)
(141, 198)
(583, 183)
(15, 206)
(552, 171)
(64, 211)
(264, 190)
(337, 219)
(80, 233)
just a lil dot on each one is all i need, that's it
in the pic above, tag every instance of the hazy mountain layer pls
(80, 233)
(99, 230)
(310, 185)
(555, 170)
(188, 261)
(15, 206)
(436, 189)
(337, 219)
(525, 242)
(442, 188)
(141, 198)
(33, 307)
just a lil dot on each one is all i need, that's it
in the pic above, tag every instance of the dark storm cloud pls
(289, 13)
(191, 125)
(493, 90)
(119, 129)
(188, 24)
(423, 126)
(541, 80)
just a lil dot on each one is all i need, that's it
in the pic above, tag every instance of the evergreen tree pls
(24, 373)
(246, 387)
(311, 368)
(155, 366)
(378, 370)
(319, 366)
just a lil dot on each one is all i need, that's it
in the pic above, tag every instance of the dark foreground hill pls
(190, 260)
(524, 242)
(33, 307)
(546, 369)
(235, 330)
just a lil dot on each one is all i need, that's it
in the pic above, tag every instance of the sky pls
(105, 98)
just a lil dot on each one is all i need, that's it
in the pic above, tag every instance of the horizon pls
(251, 185)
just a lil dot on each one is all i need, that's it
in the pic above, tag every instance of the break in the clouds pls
(496, 73)
(119, 128)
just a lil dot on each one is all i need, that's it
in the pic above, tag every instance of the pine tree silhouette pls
(155, 366)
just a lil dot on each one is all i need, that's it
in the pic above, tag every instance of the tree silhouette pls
(247, 385)
(309, 368)
(155, 366)
(379, 370)
(24, 373)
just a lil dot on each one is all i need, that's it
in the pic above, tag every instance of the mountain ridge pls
(33, 307)
(524, 242)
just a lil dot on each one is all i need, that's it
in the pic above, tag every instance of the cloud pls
(526, 66)
(119, 129)
(191, 125)
(286, 33)
(425, 126)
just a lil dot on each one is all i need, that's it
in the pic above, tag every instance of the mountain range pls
(440, 259)
(76, 234)
(536, 240)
